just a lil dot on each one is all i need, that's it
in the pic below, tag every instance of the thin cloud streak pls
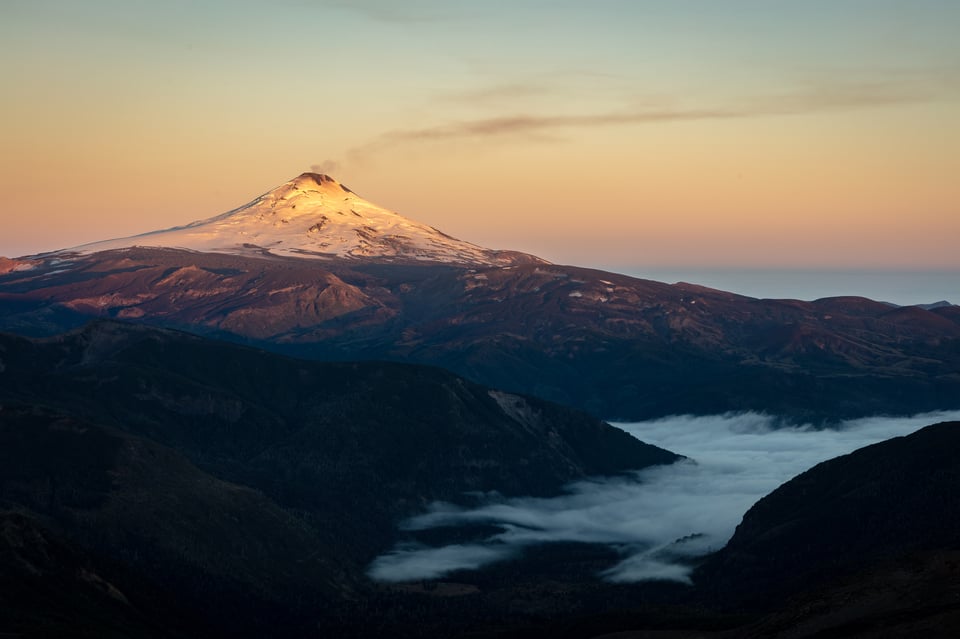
(409, 12)
(498, 93)
(432, 563)
(826, 97)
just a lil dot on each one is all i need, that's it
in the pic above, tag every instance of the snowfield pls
(314, 216)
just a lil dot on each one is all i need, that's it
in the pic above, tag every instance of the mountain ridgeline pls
(850, 513)
(213, 430)
(864, 545)
(245, 479)
(616, 346)
(311, 269)
(315, 217)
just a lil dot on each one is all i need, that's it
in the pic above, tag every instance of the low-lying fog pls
(656, 518)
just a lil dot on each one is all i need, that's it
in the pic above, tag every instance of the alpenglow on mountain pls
(314, 216)
(312, 269)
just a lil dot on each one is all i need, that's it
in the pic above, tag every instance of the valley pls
(246, 426)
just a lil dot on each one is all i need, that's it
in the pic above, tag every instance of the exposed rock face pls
(617, 346)
(7, 265)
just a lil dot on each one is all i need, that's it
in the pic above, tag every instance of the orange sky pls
(648, 133)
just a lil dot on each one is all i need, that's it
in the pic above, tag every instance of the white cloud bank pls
(656, 517)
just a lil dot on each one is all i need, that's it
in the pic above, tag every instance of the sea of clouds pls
(657, 518)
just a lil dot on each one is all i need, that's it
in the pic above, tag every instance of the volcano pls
(315, 216)
(311, 269)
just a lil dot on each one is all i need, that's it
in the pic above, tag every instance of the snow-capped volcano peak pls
(315, 216)
(311, 185)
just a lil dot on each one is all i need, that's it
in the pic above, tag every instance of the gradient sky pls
(680, 132)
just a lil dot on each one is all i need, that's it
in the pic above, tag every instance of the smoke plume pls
(327, 167)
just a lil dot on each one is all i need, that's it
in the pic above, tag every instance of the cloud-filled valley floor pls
(656, 519)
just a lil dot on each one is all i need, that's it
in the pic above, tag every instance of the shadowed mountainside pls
(846, 514)
(251, 488)
(866, 545)
(616, 346)
(107, 531)
(160, 484)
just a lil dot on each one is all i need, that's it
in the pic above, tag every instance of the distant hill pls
(863, 545)
(848, 513)
(616, 346)
(935, 305)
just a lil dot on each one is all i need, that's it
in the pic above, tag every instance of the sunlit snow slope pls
(315, 216)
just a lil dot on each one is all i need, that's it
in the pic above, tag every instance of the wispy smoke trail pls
(327, 167)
